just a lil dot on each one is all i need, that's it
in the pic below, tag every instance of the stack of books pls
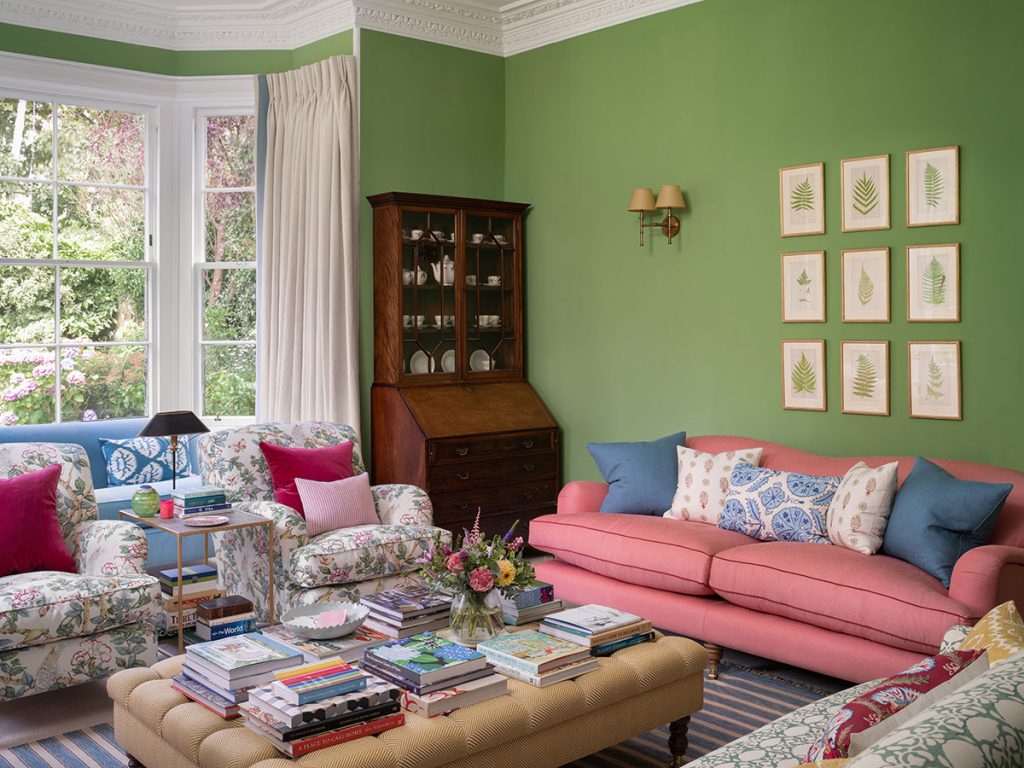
(533, 603)
(204, 500)
(436, 675)
(220, 674)
(406, 611)
(224, 617)
(602, 629)
(537, 658)
(319, 705)
(349, 648)
(167, 620)
(198, 583)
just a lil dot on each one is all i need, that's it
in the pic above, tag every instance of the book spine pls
(389, 677)
(224, 611)
(208, 633)
(314, 672)
(532, 596)
(371, 728)
(342, 720)
(197, 493)
(226, 620)
(517, 674)
(222, 713)
(183, 512)
(395, 669)
(308, 696)
(495, 658)
(190, 602)
(200, 501)
(607, 649)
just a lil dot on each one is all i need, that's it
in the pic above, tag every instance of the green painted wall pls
(432, 120)
(633, 343)
(108, 53)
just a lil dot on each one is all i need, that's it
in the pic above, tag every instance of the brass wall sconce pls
(670, 197)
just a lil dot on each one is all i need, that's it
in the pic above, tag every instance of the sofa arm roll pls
(109, 548)
(398, 504)
(580, 496)
(986, 576)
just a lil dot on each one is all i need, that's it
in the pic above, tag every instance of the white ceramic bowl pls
(299, 620)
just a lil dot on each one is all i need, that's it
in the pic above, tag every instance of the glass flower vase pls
(476, 616)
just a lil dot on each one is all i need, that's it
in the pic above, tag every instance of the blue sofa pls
(109, 499)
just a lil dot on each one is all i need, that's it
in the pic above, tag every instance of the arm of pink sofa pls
(987, 576)
(581, 496)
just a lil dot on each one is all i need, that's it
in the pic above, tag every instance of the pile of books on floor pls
(602, 629)
(220, 674)
(533, 603)
(204, 500)
(537, 658)
(406, 611)
(224, 617)
(319, 705)
(436, 675)
(199, 583)
(349, 648)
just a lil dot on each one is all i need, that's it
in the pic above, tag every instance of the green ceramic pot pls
(146, 501)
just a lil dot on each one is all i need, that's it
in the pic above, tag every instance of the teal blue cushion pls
(936, 518)
(641, 477)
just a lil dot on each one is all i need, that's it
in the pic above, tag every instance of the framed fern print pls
(802, 199)
(803, 375)
(934, 368)
(866, 377)
(866, 285)
(933, 283)
(865, 198)
(933, 187)
(803, 287)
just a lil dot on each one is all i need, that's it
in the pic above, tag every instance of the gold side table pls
(177, 528)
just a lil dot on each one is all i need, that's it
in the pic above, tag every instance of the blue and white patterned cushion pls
(773, 505)
(142, 460)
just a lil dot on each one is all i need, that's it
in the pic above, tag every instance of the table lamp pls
(172, 424)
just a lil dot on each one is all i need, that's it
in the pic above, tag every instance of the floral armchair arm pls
(402, 505)
(108, 548)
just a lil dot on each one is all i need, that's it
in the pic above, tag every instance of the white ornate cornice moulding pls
(489, 26)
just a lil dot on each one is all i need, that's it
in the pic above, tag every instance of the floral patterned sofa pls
(60, 629)
(334, 565)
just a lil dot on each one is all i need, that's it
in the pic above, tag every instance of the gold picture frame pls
(865, 198)
(865, 285)
(933, 283)
(802, 200)
(804, 385)
(865, 372)
(802, 278)
(933, 186)
(934, 380)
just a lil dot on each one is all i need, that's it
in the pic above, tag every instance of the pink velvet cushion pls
(332, 462)
(337, 504)
(30, 536)
(875, 597)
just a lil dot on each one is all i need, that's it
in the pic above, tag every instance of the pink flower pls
(89, 415)
(8, 418)
(75, 378)
(454, 562)
(481, 580)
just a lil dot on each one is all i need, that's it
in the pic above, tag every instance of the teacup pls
(478, 237)
(447, 320)
(416, 234)
(409, 320)
(494, 279)
(489, 321)
(439, 234)
(501, 239)
(470, 279)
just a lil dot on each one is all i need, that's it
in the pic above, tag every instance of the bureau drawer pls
(469, 448)
(475, 474)
(453, 506)
(498, 523)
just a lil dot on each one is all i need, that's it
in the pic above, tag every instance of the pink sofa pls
(815, 606)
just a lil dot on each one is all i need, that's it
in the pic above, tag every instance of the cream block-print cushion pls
(703, 482)
(860, 509)
(1000, 632)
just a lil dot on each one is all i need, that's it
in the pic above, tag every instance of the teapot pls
(419, 276)
(444, 269)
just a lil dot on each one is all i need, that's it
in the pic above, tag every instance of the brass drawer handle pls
(463, 475)
(461, 504)
(529, 494)
(462, 451)
(529, 467)
(527, 444)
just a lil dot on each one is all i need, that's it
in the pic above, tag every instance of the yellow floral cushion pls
(1000, 631)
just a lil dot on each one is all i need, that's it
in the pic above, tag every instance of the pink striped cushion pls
(337, 504)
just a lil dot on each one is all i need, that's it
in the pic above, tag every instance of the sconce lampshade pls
(642, 200)
(670, 196)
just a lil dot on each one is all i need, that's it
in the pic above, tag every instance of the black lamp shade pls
(170, 423)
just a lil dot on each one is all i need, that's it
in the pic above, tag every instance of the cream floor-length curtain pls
(308, 349)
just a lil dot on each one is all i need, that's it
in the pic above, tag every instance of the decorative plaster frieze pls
(463, 26)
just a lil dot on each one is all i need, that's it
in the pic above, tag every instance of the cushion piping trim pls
(539, 521)
(560, 550)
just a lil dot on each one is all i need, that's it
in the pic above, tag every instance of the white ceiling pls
(492, 26)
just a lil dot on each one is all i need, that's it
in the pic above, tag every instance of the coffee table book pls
(209, 698)
(313, 682)
(397, 632)
(426, 658)
(592, 641)
(376, 692)
(591, 619)
(531, 651)
(558, 674)
(449, 699)
(422, 690)
(403, 603)
(305, 730)
(349, 648)
(237, 660)
(305, 746)
(607, 649)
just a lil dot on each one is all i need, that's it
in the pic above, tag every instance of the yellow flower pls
(506, 573)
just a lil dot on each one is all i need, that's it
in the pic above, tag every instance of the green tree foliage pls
(802, 197)
(933, 283)
(803, 377)
(865, 195)
(865, 378)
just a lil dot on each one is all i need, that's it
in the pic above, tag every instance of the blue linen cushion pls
(641, 477)
(936, 518)
(772, 505)
(142, 460)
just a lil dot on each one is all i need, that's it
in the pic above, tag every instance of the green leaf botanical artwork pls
(804, 281)
(865, 195)
(866, 287)
(935, 380)
(865, 378)
(803, 377)
(802, 197)
(933, 283)
(933, 186)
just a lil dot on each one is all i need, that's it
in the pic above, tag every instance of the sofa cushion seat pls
(38, 608)
(359, 553)
(673, 555)
(875, 597)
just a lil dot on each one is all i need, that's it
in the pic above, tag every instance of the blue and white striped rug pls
(740, 701)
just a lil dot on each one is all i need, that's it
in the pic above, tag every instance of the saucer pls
(479, 361)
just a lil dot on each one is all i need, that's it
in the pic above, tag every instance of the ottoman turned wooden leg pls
(677, 742)
(133, 761)
(714, 656)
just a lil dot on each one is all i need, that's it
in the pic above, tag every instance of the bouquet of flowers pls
(473, 572)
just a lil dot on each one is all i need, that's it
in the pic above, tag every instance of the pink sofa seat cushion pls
(672, 555)
(875, 597)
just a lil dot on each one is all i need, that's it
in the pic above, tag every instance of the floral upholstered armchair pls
(341, 564)
(59, 629)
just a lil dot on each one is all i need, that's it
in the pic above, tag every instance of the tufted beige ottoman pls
(634, 690)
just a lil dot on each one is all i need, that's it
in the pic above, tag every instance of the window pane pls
(26, 221)
(26, 139)
(229, 380)
(26, 312)
(98, 304)
(100, 145)
(95, 223)
(26, 386)
(103, 383)
(229, 304)
(230, 226)
(230, 143)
